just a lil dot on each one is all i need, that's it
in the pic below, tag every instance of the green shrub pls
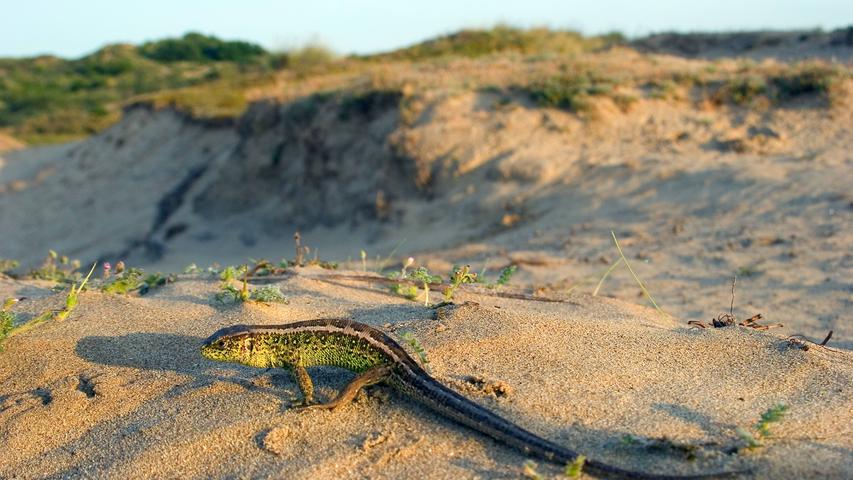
(571, 91)
(810, 79)
(195, 47)
(744, 90)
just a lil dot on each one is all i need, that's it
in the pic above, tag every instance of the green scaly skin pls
(377, 358)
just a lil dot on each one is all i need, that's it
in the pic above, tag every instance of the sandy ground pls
(120, 390)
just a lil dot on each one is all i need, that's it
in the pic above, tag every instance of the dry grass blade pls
(634, 274)
(606, 274)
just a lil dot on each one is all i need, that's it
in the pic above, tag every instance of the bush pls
(572, 91)
(806, 80)
(195, 47)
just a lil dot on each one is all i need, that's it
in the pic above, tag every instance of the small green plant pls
(155, 280)
(506, 275)
(268, 294)
(422, 275)
(125, 282)
(232, 273)
(403, 290)
(231, 294)
(406, 291)
(57, 268)
(761, 428)
(459, 276)
(363, 261)
(409, 338)
(574, 469)
(772, 415)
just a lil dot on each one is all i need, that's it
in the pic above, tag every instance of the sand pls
(120, 390)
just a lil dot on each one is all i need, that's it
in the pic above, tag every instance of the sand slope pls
(119, 390)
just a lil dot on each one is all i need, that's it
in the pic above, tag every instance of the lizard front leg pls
(369, 377)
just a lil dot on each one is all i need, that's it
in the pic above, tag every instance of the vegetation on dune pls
(504, 39)
(195, 47)
(48, 99)
(776, 87)
(571, 91)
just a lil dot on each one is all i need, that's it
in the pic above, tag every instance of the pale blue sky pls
(73, 28)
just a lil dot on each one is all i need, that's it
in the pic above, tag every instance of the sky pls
(74, 28)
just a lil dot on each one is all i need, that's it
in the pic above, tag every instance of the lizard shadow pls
(180, 354)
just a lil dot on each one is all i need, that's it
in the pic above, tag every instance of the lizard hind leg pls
(369, 377)
(306, 386)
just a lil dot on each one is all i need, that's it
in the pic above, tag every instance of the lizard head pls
(230, 344)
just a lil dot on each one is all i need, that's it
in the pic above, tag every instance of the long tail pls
(423, 388)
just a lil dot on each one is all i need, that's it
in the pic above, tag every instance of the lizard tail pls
(423, 388)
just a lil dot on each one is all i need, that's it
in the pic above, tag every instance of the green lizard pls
(375, 357)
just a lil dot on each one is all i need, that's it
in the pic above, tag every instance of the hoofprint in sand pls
(120, 390)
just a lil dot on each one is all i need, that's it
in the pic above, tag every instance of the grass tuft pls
(772, 415)
(761, 428)
(125, 282)
(57, 268)
(634, 274)
(506, 275)
(73, 297)
(574, 91)
(71, 301)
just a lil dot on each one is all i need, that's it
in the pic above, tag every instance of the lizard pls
(375, 357)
